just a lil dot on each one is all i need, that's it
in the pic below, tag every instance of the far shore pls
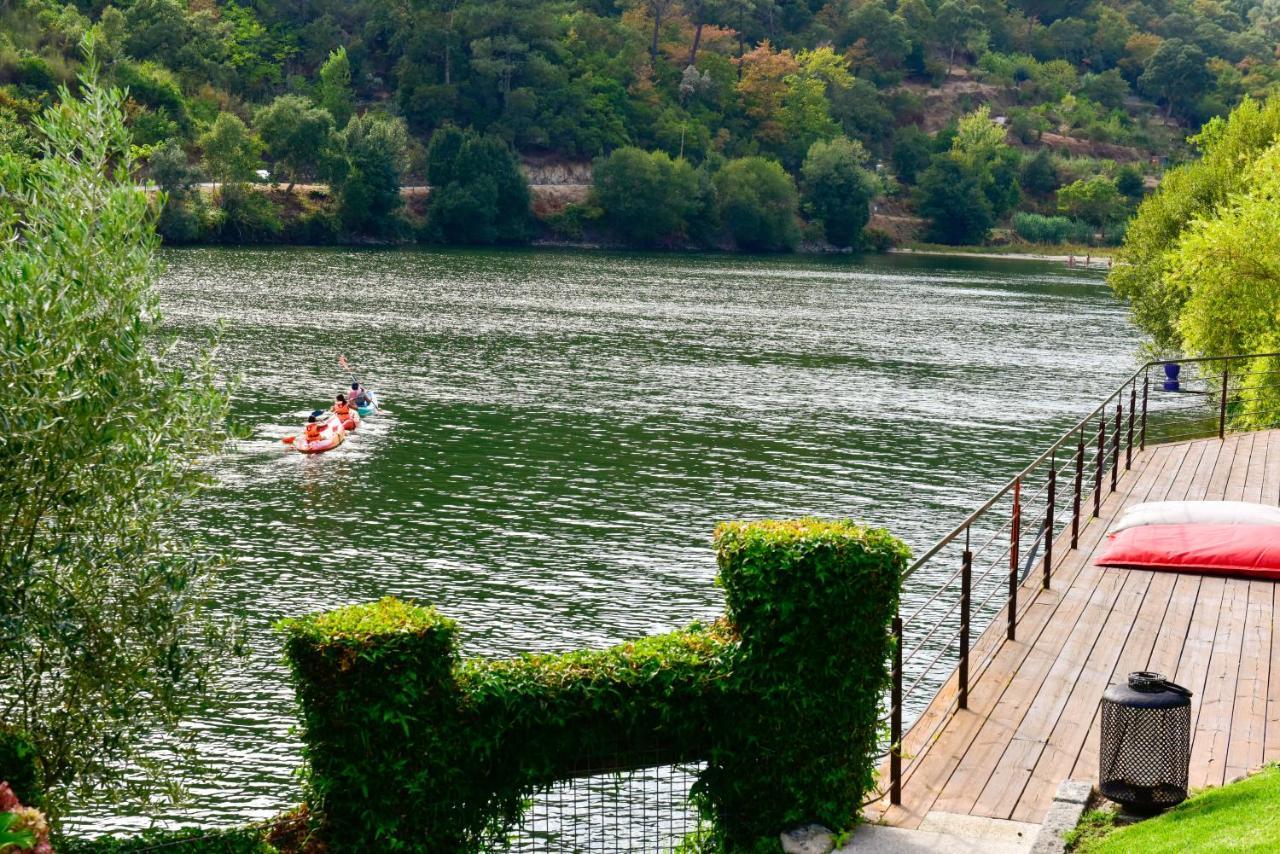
(1094, 258)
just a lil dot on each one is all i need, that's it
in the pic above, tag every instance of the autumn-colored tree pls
(763, 88)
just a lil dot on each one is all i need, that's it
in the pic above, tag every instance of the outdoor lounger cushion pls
(1196, 512)
(1251, 551)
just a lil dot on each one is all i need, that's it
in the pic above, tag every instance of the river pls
(564, 429)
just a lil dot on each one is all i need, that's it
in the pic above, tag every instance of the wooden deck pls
(1033, 713)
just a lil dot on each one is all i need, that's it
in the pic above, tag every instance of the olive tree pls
(105, 641)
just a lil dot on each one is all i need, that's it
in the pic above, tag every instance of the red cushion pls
(1251, 551)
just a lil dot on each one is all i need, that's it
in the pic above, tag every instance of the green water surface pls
(564, 429)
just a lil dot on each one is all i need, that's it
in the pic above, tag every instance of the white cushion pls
(1197, 512)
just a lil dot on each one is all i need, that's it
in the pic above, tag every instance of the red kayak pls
(332, 434)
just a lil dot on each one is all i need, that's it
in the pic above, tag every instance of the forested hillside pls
(1084, 100)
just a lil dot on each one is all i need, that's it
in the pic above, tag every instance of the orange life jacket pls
(313, 430)
(341, 408)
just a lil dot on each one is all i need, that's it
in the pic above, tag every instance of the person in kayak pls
(313, 428)
(359, 396)
(341, 406)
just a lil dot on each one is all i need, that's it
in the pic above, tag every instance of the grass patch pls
(1093, 826)
(1242, 816)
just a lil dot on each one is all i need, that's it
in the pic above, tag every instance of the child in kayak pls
(343, 410)
(313, 428)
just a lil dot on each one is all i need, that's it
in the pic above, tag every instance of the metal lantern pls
(1146, 743)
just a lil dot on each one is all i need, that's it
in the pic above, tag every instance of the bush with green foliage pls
(246, 215)
(784, 709)
(296, 134)
(1186, 194)
(758, 204)
(1039, 175)
(1036, 228)
(912, 150)
(105, 643)
(187, 840)
(478, 192)
(370, 154)
(231, 152)
(1096, 201)
(952, 199)
(649, 198)
(838, 189)
(20, 766)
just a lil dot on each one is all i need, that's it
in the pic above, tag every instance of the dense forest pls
(759, 124)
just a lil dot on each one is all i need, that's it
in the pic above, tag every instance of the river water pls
(564, 430)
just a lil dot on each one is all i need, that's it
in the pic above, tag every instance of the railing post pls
(1133, 404)
(895, 717)
(1222, 405)
(1102, 464)
(1014, 535)
(1115, 446)
(1048, 520)
(1146, 388)
(966, 591)
(1075, 497)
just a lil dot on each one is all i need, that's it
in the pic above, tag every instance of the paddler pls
(343, 410)
(358, 396)
(313, 429)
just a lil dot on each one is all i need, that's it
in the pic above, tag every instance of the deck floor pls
(1032, 719)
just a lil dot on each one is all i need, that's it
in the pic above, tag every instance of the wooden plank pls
(1247, 730)
(1271, 736)
(1271, 473)
(1237, 477)
(1257, 468)
(1212, 714)
(1193, 665)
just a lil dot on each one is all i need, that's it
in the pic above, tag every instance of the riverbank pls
(1090, 257)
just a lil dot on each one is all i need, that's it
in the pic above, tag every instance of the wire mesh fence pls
(645, 809)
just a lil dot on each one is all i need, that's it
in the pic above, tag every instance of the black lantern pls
(1146, 743)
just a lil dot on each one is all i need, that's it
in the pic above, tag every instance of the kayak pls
(370, 408)
(331, 436)
(352, 421)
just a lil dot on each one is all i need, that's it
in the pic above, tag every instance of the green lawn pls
(1243, 816)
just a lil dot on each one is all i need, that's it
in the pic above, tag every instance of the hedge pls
(188, 840)
(425, 752)
(19, 767)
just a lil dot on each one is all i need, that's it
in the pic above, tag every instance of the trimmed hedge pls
(188, 840)
(20, 768)
(425, 752)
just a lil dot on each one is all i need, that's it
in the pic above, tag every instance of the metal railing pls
(966, 579)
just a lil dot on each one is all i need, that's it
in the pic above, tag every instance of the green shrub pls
(758, 204)
(1036, 228)
(188, 840)
(248, 216)
(19, 766)
(649, 198)
(423, 751)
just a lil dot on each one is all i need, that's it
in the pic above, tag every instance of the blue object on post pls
(1171, 371)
